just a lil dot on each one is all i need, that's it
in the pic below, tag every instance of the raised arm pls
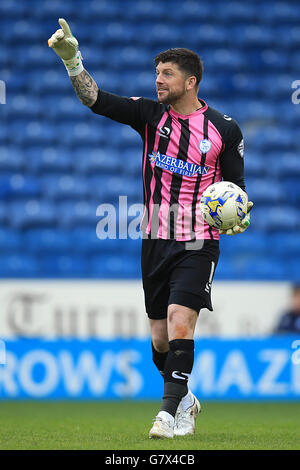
(66, 47)
(85, 88)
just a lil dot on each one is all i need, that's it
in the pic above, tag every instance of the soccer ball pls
(223, 205)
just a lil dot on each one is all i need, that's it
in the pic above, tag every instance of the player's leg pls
(156, 293)
(181, 324)
(190, 285)
(162, 331)
(179, 363)
(178, 366)
(160, 343)
(162, 427)
(186, 297)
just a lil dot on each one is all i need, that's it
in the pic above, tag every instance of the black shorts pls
(174, 275)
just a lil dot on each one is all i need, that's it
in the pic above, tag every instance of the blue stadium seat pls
(59, 162)
(61, 266)
(162, 35)
(225, 270)
(49, 81)
(131, 161)
(254, 35)
(24, 31)
(52, 9)
(97, 160)
(248, 267)
(273, 60)
(265, 191)
(19, 266)
(133, 247)
(114, 266)
(4, 211)
(48, 240)
(255, 165)
(190, 11)
(65, 108)
(288, 36)
(17, 186)
(275, 218)
(70, 133)
(65, 186)
(292, 190)
(236, 12)
(280, 12)
(245, 84)
(272, 138)
(134, 58)
(145, 9)
(74, 213)
(109, 189)
(129, 137)
(290, 164)
(252, 242)
(105, 79)
(284, 244)
(261, 268)
(115, 33)
(228, 59)
(101, 11)
(12, 9)
(86, 240)
(11, 158)
(32, 132)
(25, 106)
(11, 240)
(31, 213)
(45, 160)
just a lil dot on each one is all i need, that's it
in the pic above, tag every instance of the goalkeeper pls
(187, 146)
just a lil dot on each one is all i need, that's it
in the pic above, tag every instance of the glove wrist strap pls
(74, 66)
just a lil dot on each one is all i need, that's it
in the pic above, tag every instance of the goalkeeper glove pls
(66, 47)
(242, 226)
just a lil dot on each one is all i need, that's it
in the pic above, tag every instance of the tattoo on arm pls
(85, 87)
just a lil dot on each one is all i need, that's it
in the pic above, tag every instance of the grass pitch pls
(125, 425)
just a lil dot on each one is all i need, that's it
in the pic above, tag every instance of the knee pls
(161, 345)
(181, 322)
(159, 335)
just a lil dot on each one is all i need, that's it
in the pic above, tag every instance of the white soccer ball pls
(223, 205)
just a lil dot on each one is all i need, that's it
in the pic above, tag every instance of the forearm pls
(85, 88)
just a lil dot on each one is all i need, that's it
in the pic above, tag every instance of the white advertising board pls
(109, 309)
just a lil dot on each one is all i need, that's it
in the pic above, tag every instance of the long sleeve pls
(135, 112)
(231, 159)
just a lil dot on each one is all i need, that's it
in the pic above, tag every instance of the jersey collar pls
(188, 116)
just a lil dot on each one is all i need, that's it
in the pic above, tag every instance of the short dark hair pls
(188, 61)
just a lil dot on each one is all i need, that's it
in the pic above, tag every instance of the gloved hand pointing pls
(66, 47)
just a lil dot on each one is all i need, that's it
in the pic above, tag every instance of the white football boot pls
(163, 426)
(185, 418)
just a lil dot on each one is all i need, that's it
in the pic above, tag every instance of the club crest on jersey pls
(175, 165)
(205, 145)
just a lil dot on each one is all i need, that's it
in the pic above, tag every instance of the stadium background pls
(72, 323)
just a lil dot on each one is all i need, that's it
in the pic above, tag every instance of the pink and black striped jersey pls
(182, 156)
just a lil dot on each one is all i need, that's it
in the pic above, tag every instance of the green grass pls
(125, 426)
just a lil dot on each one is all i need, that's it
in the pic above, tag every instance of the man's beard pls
(171, 97)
